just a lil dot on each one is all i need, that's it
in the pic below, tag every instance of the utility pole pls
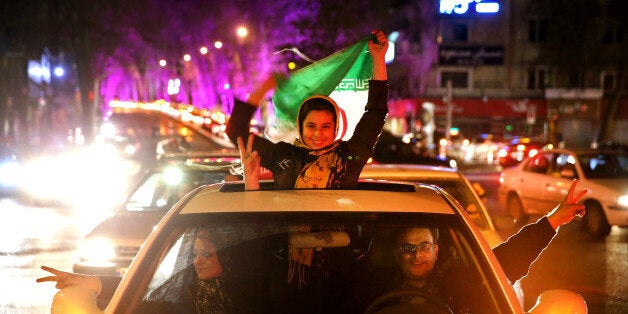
(450, 106)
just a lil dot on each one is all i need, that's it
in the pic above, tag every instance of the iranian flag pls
(343, 76)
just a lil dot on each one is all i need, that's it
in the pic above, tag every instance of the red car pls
(517, 150)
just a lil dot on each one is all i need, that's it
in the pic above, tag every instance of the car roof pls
(408, 172)
(367, 197)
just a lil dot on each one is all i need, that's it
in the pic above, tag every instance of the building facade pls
(484, 68)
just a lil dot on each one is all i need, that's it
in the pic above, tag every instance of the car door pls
(561, 174)
(534, 182)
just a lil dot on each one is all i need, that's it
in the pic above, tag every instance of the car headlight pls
(9, 173)
(623, 200)
(96, 249)
(453, 164)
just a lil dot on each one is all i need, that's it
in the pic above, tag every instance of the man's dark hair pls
(433, 229)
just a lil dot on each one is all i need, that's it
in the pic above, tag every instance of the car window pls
(161, 190)
(289, 262)
(604, 165)
(538, 164)
(563, 166)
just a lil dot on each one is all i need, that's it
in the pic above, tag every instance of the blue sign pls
(467, 7)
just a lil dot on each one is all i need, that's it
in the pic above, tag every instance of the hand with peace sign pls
(66, 279)
(568, 208)
(250, 163)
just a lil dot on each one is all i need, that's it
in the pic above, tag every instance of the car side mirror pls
(559, 301)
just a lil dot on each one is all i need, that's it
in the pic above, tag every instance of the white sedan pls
(307, 251)
(537, 184)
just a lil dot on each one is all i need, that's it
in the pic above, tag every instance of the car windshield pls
(604, 165)
(463, 195)
(307, 262)
(162, 189)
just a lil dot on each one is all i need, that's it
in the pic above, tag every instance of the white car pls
(449, 179)
(305, 251)
(536, 185)
(110, 247)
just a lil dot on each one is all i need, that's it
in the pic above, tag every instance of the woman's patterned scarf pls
(322, 168)
(211, 299)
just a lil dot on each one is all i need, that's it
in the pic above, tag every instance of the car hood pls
(127, 226)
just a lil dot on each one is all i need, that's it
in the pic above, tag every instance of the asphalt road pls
(575, 261)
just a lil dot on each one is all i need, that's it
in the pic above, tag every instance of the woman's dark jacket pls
(286, 161)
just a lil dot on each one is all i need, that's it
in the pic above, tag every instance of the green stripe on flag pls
(346, 70)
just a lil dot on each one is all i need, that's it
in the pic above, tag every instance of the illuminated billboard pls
(469, 7)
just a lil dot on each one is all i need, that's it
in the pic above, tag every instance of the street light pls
(59, 71)
(242, 31)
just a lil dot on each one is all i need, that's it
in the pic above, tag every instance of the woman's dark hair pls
(315, 103)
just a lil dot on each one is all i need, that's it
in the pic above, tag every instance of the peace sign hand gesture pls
(250, 163)
(65, 279)
(568, 209)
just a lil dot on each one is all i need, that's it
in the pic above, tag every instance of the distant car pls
(536, 185)
(111, 246)
(511, 154)
(450, 180)
(314, 251)
(136, 133)
(391, 149)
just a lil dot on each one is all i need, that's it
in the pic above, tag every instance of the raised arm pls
(378, 48)
(240, 120)
(517, 254)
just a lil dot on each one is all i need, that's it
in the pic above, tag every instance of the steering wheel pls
(437, 305)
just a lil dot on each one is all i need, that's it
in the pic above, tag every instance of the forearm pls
(251, 182)
(257, 95)
(517, 254)
(368, 129)
(379, 69)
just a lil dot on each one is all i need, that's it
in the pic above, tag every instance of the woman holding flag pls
(317, 159)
